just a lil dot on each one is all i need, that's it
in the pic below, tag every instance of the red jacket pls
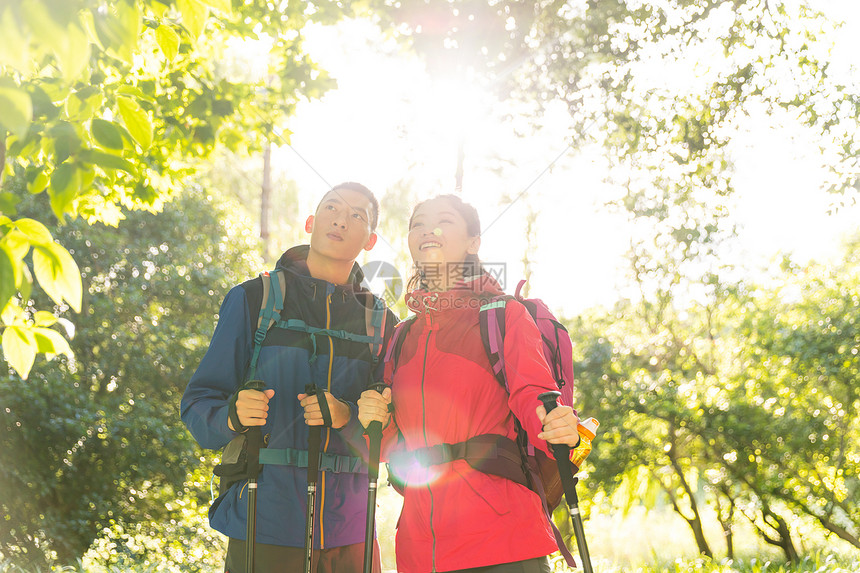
(444, 391)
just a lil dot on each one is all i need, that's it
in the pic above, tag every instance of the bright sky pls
(389, 122)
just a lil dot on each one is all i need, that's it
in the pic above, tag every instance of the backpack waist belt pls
(488, 453)
(299, 458)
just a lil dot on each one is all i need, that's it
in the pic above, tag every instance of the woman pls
(443, 391)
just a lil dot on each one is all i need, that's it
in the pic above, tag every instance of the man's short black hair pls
(358, 187)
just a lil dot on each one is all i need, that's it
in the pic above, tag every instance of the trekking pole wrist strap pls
(324, 409)
(233, 415)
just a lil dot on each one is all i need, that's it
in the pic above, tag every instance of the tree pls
(93, 445)
(748, 401)
(796, 399)
(109, 106)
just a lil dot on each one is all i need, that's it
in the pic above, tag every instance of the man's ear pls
(474, 246)
(309, 224)
(371, 242)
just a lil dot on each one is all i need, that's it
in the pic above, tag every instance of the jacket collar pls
(295, 261)
(475, 288)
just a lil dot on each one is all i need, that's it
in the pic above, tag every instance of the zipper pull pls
(429, 307)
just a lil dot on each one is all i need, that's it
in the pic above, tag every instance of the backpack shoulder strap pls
(492, 321)
(375, 316)
(272, 303)
(395, 344)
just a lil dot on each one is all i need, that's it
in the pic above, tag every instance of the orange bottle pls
(587, 430)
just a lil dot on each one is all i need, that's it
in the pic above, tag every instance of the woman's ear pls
(309, 224)
(474, 246)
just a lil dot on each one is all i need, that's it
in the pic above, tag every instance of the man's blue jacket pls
(288, 361)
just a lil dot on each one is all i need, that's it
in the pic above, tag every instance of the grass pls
(819, 562)
(656, 541)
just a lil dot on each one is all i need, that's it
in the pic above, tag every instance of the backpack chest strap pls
(335, 463)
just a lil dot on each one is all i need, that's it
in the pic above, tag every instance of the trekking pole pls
(255, 441)
(374, 434)
(568, 483)
(314, 438)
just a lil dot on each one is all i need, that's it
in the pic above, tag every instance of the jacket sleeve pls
(527, 371)
(220, 373)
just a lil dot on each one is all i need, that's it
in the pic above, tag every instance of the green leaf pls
(108, 160)
(44, 318)
(36, 232)
(224, 6)
(83, 104)
(16, 109)
(12, 314)
(168, 41)
(58, 274)
(64, 187)
(51, 342)
(19, 348)
(46, 267)
(8, 203)
(24, 281)
(118, 28)
(65, 139)
(74, 53)
(194, 15)
(15, 47)
(106, 134)
(39, 183)
(136, 120)
(17, 244)
(136, 92)
(70, 277)
(7, 277)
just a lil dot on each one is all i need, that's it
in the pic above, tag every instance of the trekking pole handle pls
(375, 427)
(549, 400)
(257, 385)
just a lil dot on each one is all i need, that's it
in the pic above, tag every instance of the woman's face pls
(439, 241)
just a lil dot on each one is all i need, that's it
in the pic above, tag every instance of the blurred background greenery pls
(138, 185)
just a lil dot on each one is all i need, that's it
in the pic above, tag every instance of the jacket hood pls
(295, 260)
(478, 287)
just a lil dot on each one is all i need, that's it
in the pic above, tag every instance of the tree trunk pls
(2, 153)
(531, 220)
(726, 517)
(694, 522)
(265, 200)
(458, 174)
(780, 527)
(840, 532)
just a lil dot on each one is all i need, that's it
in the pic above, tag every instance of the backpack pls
(558, 352)
(235, 463)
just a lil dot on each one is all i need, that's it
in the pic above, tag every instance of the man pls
(323, 290)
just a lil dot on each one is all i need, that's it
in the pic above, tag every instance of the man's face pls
(340, 229)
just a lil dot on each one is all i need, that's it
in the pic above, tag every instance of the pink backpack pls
(558, 351)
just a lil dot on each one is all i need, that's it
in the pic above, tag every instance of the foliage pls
(109, 106)
(93, 446)
(748, 401)
(662, 88)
